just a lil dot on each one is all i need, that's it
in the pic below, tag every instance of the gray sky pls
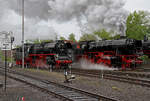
(132, 5)
(65, 18)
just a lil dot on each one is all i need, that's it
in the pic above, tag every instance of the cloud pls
(36, 17)
(132, 5)
(39, 30)
(34, 29)
(33, 8)
(3, 7)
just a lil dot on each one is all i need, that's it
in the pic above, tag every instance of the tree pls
(36, 41)
(138, 25)
(87, 37)
(62, 38)
(32, 41)
(116, 37)
(41, 41)
(103, 34)
(72, 37)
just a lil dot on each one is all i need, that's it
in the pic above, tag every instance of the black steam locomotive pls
(46, 55)
(121, 53)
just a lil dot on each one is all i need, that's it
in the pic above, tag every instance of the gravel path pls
(118, 90)
(16, 90)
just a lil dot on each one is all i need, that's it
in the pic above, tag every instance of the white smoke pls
(93, 14)
(41, 64)
(85, 64)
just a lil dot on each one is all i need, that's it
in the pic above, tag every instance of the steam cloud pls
(91, 15)
(99, 14)
(85, 64)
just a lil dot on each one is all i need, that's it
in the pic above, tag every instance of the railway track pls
(127, 79)
(63, 92)
(131, 78)
(123, 73)
(117, 77)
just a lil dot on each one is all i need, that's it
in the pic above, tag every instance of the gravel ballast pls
(118, 90)
(17, 91)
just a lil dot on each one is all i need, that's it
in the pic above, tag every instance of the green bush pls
(144, 58)
(2, 57)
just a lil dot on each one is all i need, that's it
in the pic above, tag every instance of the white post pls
(102, 74)
(11, 41)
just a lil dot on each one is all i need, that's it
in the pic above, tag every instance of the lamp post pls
(5, 44)
(23, 34)
(5, 67)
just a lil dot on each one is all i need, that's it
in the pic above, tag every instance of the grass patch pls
(43, 72)
(2, 56)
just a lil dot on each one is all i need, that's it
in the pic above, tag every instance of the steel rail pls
(84, 95)
(126, 79)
